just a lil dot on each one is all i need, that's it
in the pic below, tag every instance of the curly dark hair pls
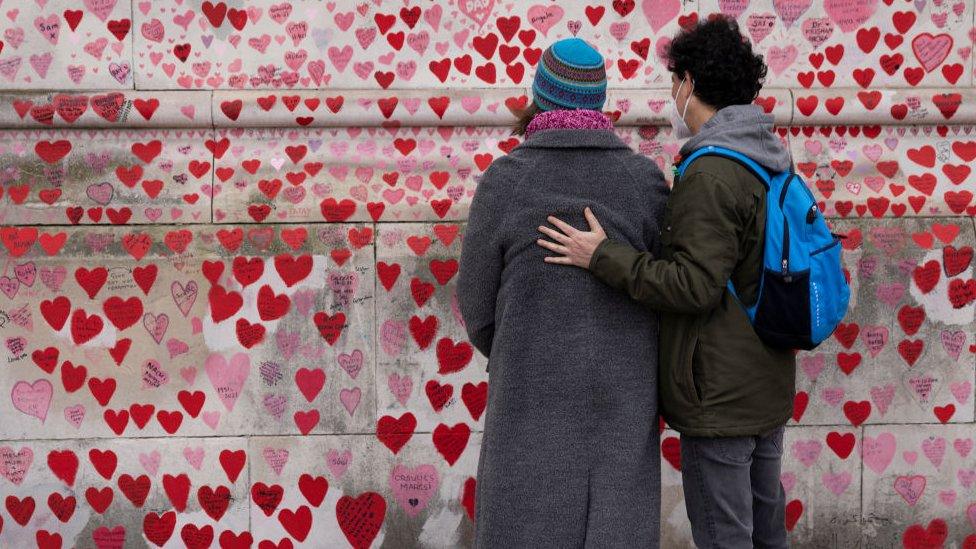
(720, 61)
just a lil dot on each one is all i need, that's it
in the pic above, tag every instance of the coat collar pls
(574, 139)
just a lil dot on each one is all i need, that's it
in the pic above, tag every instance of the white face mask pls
(679, 126)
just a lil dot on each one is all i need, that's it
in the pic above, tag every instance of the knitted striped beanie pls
(570, 75)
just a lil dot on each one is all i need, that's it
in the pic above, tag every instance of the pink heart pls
(338, 463)
(807, 451)
(393, 336)
(544, 18)
(14, 465)
(350, 399)
(401, 387)
(413, 487)
(74, 415)
(189, 374)
(910, 488)
(836, 483)
(156, 325)
(211, 417)
(194, 456)
(877, 453)
(934, 449)
(352, 363)
(33, 399)
(660, 12)
(150, 462)
(228, 377)
(276, 458)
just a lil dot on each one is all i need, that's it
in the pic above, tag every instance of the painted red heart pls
(233, 462)
(20, 510)
(421, 291)
(310, 382)
(267, 497)
(944, 413)
(393, 432)
(794, 510)
(910, 319)
(329, 326)
(361, 517)
(55, 311)
(136, 489)
(453, 357)
(214, 501)
(52, 152)
(956, 260)
(337, 211)
(293, 270)
(223, 304)
(159, 528)
(423, 331)
(927, 276)
(46, 359)
(230, 540)
(64, 465)
(195, 537)
(122, 313)
(298, 522)
(313, 488)
(468, 492)
(62, 507)
(671, 451)
(99, 499)
(438, 394)
(249, 334)
(117, 420)
(192, 401)
(169, 420)
(911, 350)
(177, 488)
(387, 274)
(104, 462)
(918, 537)
(841, 443)
(475, 398)
(857, 412)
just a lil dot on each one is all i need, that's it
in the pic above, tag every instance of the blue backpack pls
(803, 292)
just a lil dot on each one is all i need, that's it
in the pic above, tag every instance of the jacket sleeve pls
(658, 202)
(706, 225)
(482, 259)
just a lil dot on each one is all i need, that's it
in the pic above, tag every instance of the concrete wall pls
(230, 236)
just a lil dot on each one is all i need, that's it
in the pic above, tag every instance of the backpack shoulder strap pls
(711, 150)
(761, 174)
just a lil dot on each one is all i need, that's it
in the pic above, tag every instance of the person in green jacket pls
(721, 387)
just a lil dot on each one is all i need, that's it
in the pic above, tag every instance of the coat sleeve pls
(482, 260)
(706, 225)
(657, 203)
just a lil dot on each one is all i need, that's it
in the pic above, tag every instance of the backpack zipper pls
(786, 232)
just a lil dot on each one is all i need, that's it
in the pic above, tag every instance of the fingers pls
(555, 235)
(553, 246)
(564, 227)
(559, 260)
(591, 219)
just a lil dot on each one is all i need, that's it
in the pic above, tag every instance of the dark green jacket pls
(716, 376)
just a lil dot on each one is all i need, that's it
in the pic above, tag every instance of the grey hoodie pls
(745, 129)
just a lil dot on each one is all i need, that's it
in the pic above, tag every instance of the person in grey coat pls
(570, 455)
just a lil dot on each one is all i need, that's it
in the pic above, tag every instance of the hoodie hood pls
(745, 129)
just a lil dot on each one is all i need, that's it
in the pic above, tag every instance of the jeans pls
(733, 492)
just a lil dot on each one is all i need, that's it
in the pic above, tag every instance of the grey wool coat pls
(570, 455)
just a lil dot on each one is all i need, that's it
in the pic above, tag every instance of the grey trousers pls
(733, 492)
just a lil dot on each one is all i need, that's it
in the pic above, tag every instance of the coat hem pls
(730, 431)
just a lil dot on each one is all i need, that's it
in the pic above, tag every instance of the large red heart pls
(360, 518)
